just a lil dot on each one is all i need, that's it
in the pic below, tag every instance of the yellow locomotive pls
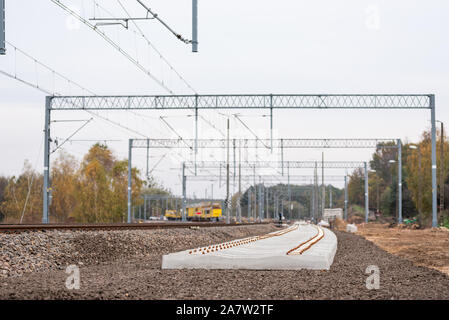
(206, 210)
(172, 214)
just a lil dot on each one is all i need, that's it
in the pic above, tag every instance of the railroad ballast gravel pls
(133, 277)
(36, 251)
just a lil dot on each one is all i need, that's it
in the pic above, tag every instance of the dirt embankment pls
(426, 247)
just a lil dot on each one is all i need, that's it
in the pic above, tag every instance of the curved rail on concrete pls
(311, 241)
(235, 243)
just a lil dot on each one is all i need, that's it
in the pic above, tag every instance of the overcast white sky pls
(286, 46)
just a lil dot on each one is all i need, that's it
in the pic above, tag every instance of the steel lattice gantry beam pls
(267, 178)
(240, 101)
(261, 143)
(278, 164)
(244, 101)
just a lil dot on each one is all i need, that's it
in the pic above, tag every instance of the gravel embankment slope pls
(140, 277)
(21, 253)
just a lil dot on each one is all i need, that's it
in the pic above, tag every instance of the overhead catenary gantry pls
(294, 165)
(241, 101)
(260, 143)
(268, 177)
(276, 179)
(289, 143)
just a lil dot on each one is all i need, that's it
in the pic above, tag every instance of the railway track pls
(9, 228)
(306, 245)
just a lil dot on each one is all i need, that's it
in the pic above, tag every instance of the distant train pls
(206, 210)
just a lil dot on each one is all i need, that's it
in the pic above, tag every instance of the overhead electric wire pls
(156, 50)
(212, 125)
(54, 72)
(31, 182)
(172, 129)
(157, 163)
(156, 16)
(76, 131)
(54, 93)
(113, 44)
(35, 86)
(255, 135)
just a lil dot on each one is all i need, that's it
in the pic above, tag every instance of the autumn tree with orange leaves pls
(94, 190)
(101, 186)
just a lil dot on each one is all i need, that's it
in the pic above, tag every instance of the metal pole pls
(166, 206)
(277, 206)
(434, 162)
(299, 210)
(249, 202)
(262, 204)
(314, 191)
(419, 184)
(266, 201)
(145, 208)
(255, 191)
(235, 163)
(289, 192)
(228, 218)
(442, 169)
(259, 199)
(330, 196)
(323, 187)
(2, 27)
(275, 203)
(240, 179)
(346, 197)
(129, 178)
(45, 212)
(184, 200)
(148, 157)
(366, 193)
(399, 181)
(311, 202)
(378, 194)
(196, 131)
(282, 155)
(240, 168)
(194, 25)
(239, 208)
(271, 121)
(282, 207)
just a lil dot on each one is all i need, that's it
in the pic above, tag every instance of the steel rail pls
(236, 243)
(114, 226)
(312, 241)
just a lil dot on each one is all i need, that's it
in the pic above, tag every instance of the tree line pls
(416, 180)
(93, 190)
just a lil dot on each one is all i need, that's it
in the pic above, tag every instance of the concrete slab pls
(301, 246)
